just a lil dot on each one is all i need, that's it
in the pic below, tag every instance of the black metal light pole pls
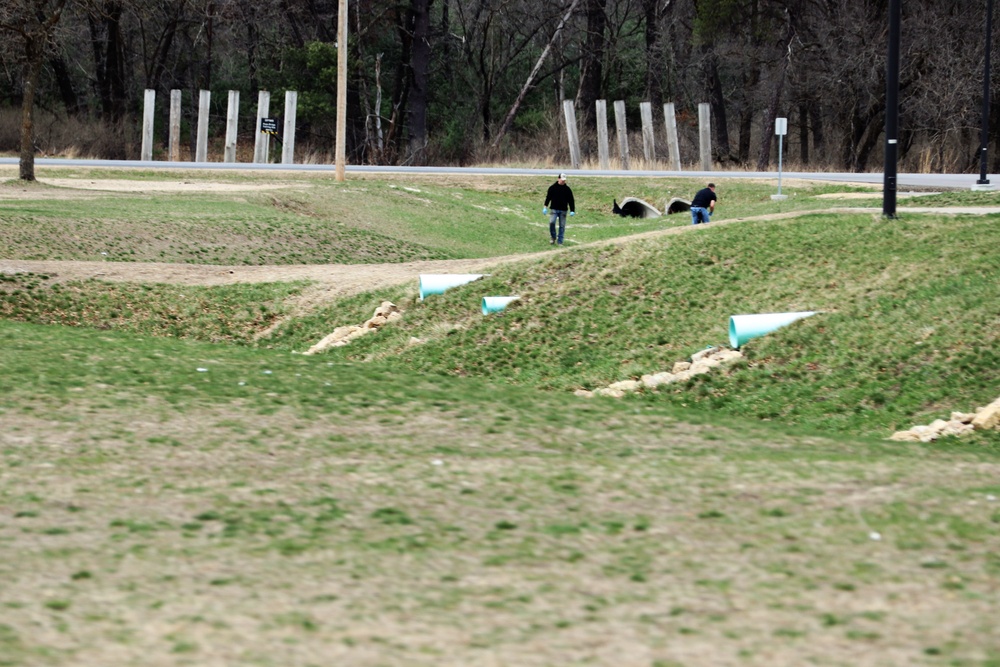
(985, 137)
(891, 113)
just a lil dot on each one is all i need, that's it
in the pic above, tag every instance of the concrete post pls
(705, 135)
(232, 118)
(288, 141)
(262, 142)
(174, 139)
(602, 133)
(673, 147)
(648, 137)
(201, 146)
(622, 131)
(148, 113)
(572, 133)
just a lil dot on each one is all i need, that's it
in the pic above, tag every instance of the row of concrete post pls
(262, 138)
(261, 149)
(648, 135)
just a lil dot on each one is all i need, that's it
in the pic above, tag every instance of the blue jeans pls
(700, 215)
(559, 216)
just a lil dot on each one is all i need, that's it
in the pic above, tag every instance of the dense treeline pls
(434, 81)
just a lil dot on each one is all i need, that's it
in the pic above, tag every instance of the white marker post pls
(780, 129)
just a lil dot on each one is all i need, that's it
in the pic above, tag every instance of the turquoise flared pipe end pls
(494, 304)
(437, 283)
(746, 327)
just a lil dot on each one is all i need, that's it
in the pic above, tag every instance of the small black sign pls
(269, 125)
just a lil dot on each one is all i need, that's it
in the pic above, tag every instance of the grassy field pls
(179, 487)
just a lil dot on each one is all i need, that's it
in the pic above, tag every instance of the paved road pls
(948, 181)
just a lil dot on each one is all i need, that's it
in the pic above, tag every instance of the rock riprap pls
(701, 362)
(960, 423)
(385, 313)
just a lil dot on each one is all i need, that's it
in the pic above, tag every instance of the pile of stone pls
(385, 313)
(961, 423)
(701, 362)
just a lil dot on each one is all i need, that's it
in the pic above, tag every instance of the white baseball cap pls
(562, 177)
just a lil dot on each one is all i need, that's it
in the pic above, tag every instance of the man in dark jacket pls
(561, 199)
(703, 205)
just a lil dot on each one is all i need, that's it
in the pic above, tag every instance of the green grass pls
(222, 314)
(309, 219)
(196, 229)
(908, 329)
(341, 491)
(178, 487)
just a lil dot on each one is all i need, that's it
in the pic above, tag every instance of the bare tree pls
(500, 40)
(33, 23)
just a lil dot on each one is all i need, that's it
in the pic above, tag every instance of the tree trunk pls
(293, 23)
(34, 51)
(444, 29)
(654, 66)
(593, 55)
(816, 125)
(401, 81)
(717, 96)
(764, 158)
(158, 67)
(803, 134)
(115, 54)
(107, 45)
(70, 99)
(420, 64)
(34, 32)
(746, 118)
(206, 65)
(865, 131)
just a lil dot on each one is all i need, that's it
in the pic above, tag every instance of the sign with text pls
(269, 125)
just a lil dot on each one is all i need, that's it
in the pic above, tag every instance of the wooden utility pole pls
(341, 92)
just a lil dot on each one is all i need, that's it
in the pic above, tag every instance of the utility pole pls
(341, 154)
(984, 183)
(891, 113)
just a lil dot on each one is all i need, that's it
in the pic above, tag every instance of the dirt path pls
(333, 281)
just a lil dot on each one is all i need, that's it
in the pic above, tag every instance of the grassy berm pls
(179, 487)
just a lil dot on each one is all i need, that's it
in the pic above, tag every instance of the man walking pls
(561, 199)
(703, 205)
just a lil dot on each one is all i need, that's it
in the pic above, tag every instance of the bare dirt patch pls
(331, 280)
(81, 187)
(120, 185)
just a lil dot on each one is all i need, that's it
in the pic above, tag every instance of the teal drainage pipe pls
(744, 327)
(494, 304)
(431, 283)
